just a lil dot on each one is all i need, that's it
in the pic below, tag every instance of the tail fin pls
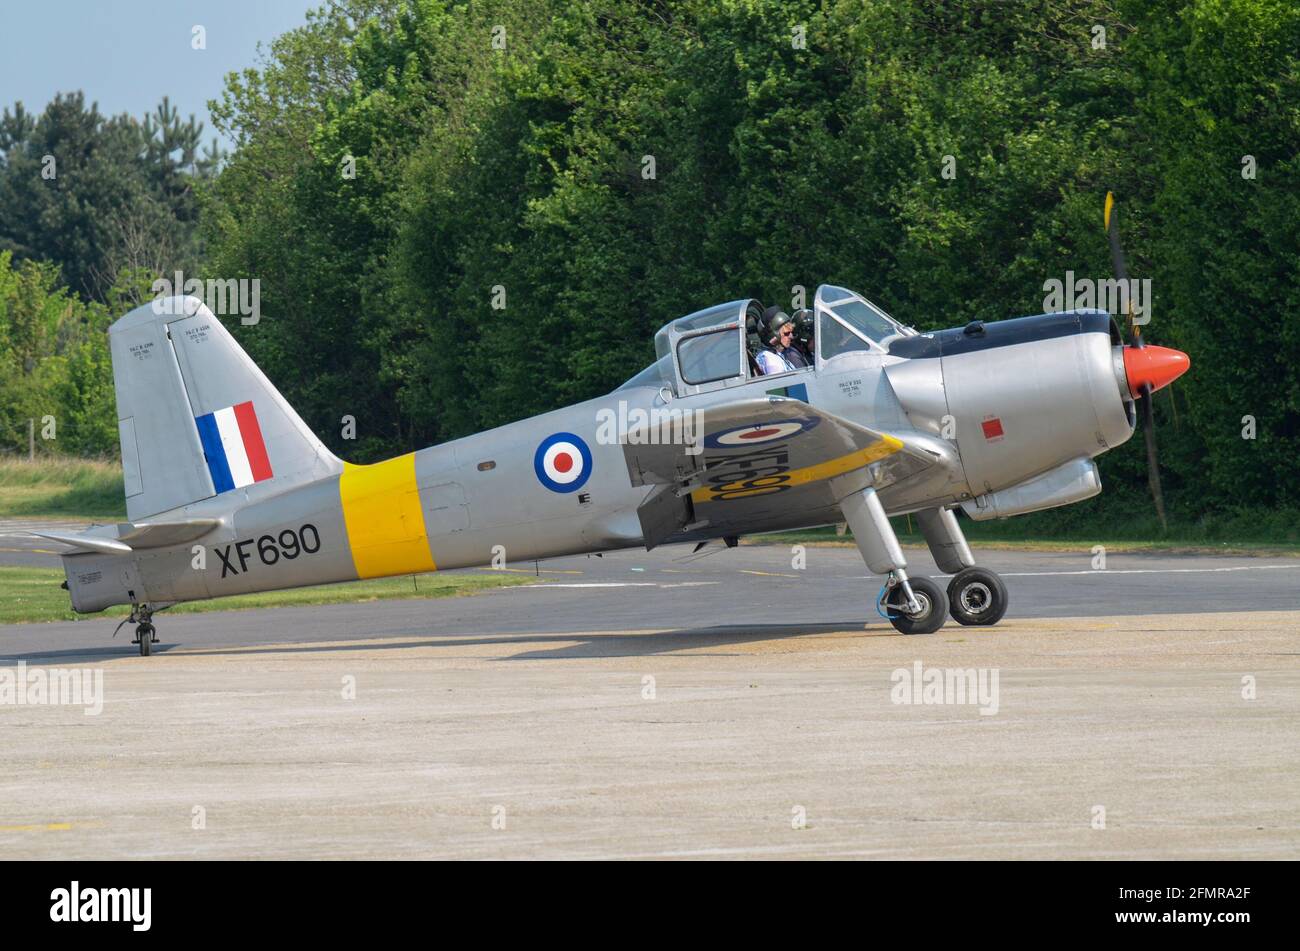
(196, 417)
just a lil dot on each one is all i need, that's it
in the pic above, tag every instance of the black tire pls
(977, 597)
(933, 601)
(145, 633)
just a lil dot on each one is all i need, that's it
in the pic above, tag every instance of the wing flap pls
(663, 513)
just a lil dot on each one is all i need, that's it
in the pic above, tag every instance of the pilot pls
(753, 343)
(803, 334)
(776, 357)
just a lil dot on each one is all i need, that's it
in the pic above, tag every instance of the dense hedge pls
(776, 163)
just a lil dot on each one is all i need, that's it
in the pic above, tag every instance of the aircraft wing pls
(759, 457)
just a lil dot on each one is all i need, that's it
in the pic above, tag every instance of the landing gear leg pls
(915, 605)
(145, 636)
(976, 596)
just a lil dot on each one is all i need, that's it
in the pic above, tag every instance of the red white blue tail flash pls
(232, 443)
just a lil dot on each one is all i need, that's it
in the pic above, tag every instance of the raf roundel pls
(562, 462)
(758, 433)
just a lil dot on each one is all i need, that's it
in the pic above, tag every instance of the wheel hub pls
(925, 606)
(976, 597)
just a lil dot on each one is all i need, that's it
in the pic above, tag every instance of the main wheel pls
(977, 596)
(934, 608)
(145, 633)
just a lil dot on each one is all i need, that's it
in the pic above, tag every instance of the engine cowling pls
(1020, 397)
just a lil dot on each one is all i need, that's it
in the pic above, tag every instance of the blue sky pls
(128, 54)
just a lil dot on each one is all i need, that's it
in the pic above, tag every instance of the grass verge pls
(62, 487)
(33, 594)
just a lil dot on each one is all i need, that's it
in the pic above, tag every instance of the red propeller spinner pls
(1152, 366)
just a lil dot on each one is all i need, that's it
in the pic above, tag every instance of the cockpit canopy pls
(839, 307)
(707, 350)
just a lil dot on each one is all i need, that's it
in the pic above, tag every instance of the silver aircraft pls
(228, 491)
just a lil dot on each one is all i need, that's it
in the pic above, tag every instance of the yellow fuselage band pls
(384, 519)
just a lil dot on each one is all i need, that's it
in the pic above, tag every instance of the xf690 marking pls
(269, 549)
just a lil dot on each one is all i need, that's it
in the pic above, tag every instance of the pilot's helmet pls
(803, 324)
(774, 318)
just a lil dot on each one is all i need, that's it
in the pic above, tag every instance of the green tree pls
(98, 195)
(54, 363)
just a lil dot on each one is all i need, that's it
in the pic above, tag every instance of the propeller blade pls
(1118, 262)
(1153, 468)
(1147, 371)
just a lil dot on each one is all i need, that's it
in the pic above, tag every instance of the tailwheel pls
(977, 597)
(144, 634)
(929, 597)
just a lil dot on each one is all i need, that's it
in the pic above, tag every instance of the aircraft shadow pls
(576, 645)
(714, 639)
(80, 655)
